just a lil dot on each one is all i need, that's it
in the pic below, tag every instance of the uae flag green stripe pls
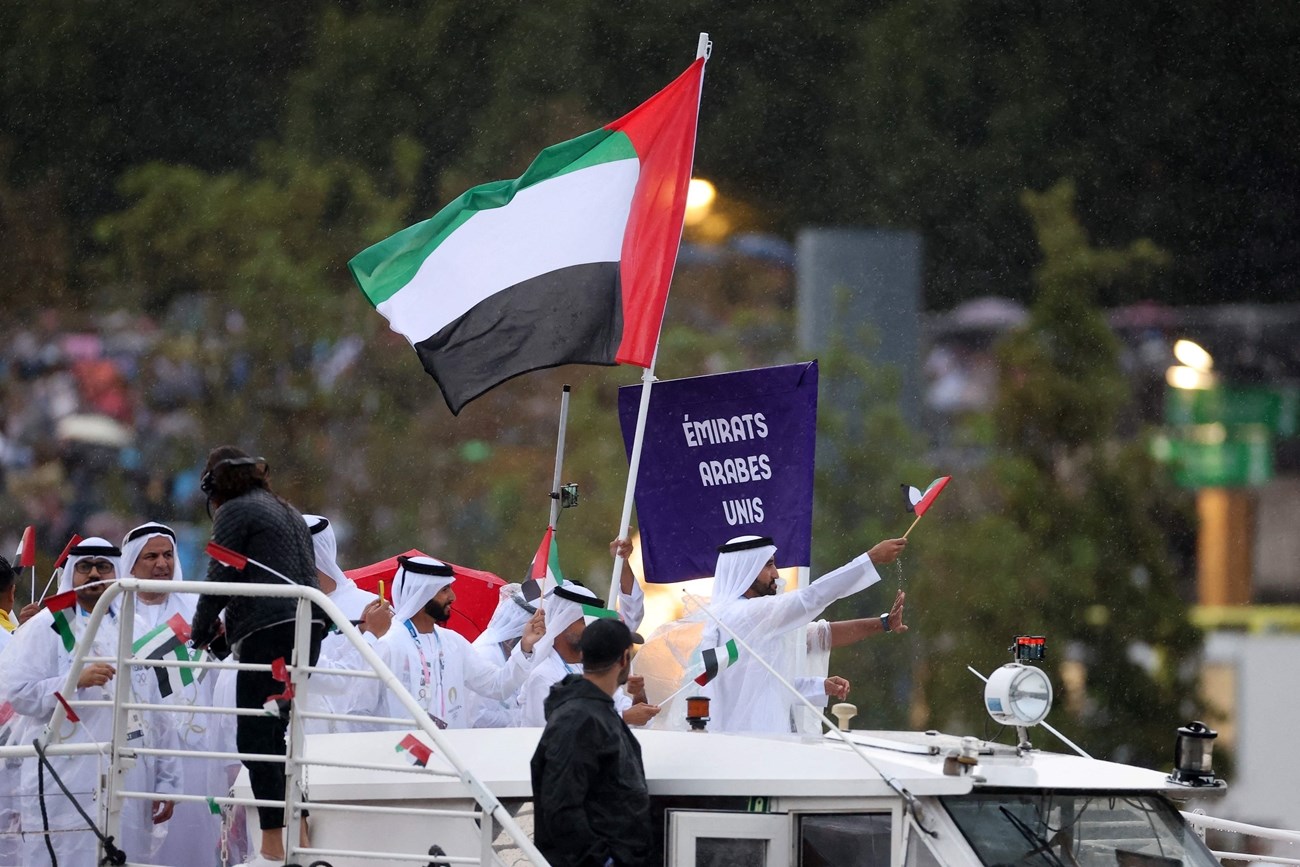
(62, 626)
(598, 612)
(568, 263)
(716, 659)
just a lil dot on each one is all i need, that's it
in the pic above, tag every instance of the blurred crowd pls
(102, 416)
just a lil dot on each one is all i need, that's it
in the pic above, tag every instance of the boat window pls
(844, 840)
(717, 839)
(1084, 829)
(729, 852)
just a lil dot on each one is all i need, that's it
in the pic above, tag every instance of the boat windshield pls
(1083, 829)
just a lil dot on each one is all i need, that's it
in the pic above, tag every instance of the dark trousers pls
(266, 734)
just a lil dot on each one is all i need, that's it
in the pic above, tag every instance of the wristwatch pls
(884, 622)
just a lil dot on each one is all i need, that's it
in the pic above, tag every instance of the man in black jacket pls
(589, 790)
(251, 520)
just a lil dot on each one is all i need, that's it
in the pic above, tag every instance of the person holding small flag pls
(747, 602)
(339, 694)
(32, 671)
(437, 665)
(589, 788)
(570, 609)
(495, 644)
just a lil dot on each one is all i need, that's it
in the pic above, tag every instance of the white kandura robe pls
(745, 697)
(34, 667)
(546, 674)
(493, 713)
(462, 670)
(193, 832)
(341, 694)
(11, 732)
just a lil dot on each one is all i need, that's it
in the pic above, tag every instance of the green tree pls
(1062, 532)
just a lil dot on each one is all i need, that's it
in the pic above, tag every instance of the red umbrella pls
(476, 591)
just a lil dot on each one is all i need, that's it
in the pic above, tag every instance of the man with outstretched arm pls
(780, 627)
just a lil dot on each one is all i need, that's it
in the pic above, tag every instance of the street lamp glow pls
(1193, 355)
(1189, 377)
(699, 200)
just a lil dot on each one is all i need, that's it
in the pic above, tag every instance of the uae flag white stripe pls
(574, 219)
(568, 263)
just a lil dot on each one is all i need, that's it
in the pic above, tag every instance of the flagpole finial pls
(704, 47)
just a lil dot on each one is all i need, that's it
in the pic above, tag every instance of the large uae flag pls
(568, 263)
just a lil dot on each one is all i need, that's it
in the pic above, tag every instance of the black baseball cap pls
(604, 641)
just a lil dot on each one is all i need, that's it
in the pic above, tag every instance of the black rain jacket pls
(589, 789)
(265, 528)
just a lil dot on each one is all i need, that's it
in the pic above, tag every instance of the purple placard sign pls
(725, 455)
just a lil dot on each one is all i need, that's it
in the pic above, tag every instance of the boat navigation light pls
(697, 712)
(1018, 695)
(1193, 755)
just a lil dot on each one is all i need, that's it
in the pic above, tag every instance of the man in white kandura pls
(193, 833)
(437, 665)
(567, 620)
(495, 644)
(341, 694)
(746, 598)
(32, 669)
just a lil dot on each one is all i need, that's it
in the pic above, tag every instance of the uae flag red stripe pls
(568, 263)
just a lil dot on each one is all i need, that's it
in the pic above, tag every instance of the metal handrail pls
(295, 762)
(1200, 820)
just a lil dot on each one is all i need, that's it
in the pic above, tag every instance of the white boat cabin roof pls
(714, 764)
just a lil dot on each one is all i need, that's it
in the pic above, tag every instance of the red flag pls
(72, 543)
(918, 501)
(532, 588)
(226, 557)
(27, 548)
(179, 627)
(60, 601)
(67, 708)
(417, 752)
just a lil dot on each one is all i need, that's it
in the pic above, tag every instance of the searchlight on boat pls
(1017, 694)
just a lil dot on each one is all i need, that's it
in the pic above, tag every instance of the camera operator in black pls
(252, 521)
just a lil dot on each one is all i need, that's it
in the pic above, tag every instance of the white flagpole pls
(559, 458)
(702, 50)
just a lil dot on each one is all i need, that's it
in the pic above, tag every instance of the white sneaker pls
(262, 861)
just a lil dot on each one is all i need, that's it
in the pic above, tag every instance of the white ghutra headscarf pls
(418, 579)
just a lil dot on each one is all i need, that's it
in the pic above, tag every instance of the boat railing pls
(1202, 822)
(121, 755)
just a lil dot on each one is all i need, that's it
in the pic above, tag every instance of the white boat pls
(717, 800)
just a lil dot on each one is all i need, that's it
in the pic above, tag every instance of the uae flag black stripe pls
(499, 337)
(568, 263)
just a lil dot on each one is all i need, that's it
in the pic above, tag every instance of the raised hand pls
(896, 623)
(534, 629)
(887, 551)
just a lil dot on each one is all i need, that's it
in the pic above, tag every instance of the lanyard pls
(426, 673)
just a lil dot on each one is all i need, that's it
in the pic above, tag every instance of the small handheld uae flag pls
(544, 572)
(717, 659)
(567, 264)
(415, 750)
(59, 606)
(168, 640)
(918, 501)
(26, 553)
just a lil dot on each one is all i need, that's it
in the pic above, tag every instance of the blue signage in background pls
(723, 456)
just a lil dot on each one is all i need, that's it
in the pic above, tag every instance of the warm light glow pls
(1193, 355)
(699, 200)
(664, 602)
(1189, 377)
